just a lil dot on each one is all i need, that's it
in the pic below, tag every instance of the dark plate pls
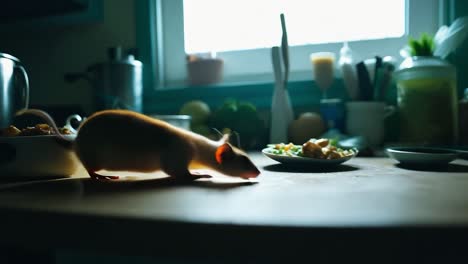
(462, 153)
(422, 155)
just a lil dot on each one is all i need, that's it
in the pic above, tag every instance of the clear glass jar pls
(427, 101)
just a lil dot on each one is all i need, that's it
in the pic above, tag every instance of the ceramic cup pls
(73, 119)
(366, 119)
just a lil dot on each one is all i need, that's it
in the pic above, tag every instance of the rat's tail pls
(61, 139)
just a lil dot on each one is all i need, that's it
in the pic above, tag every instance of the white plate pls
(36, 157)
(422, 155)
(304, 161)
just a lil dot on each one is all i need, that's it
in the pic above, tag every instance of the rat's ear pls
(223, 153)
(225, 138)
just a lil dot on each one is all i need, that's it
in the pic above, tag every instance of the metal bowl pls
(182, 121)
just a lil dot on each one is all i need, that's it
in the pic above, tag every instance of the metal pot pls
(14, 88)
(117, 83)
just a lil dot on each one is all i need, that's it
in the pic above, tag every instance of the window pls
(242, 32)
(213, 25)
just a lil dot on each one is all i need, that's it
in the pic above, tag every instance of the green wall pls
(49, 50)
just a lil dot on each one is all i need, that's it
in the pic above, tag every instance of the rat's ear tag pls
(224, 152)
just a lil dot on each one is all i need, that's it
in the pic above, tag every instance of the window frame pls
(172, 73)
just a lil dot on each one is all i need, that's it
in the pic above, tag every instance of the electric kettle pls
(14, 89)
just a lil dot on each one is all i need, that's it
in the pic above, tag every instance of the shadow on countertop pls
(450, 167)
(89, 186)
(305, 168)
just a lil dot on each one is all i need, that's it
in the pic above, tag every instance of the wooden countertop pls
(286, 210)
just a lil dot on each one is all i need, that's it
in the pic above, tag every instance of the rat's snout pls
(250, 174)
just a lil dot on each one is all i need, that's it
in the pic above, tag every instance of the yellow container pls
(427, 101)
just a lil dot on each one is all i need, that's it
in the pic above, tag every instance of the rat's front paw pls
(197, 175)
(191, 177)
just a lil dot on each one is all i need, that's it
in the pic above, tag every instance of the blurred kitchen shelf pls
(32, 14)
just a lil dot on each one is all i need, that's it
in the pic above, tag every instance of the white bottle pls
(281, 109)
(348, 71)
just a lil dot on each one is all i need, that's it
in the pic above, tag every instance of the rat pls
(123, 140)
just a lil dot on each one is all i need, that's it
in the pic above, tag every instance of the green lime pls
(246, 109)
(198, 110)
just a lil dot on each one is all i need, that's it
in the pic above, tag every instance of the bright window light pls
(227, 25)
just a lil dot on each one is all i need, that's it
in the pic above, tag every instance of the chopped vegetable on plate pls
(314, 148)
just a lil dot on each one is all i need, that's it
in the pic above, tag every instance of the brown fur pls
(119, 140)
